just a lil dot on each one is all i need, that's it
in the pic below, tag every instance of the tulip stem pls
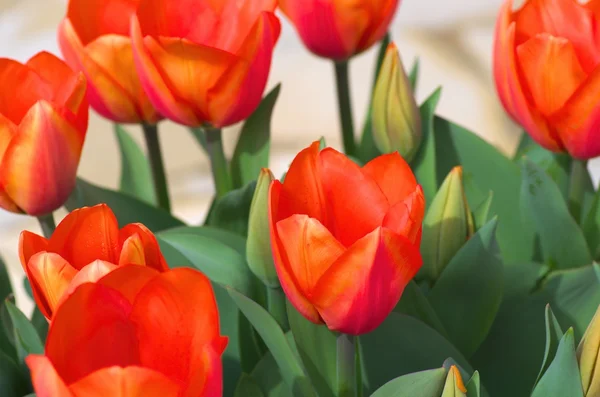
(157, 166)
(276, 305)
(345, 107)
(218, 161)
(579, 178)
(346, 366)
(47, 224)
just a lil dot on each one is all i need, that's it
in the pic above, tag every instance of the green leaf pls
(40, 323)
(402, 345)
(591, 226)
(247, 387)
(6, 291)
(554, 334)
(556, 165)
(562, 241)
(469, 291)
(126, 208)
(481, 214)
(252, 149)
(317, 347)
(521, 279)
(428, 383)
(414, 303)
(136, 175)
(12, 382)
(474, 386)
(26, 337)
(217, 259)
(562, 377)
(291, 369)
(5, 286)
(231, 212)
(413, 75)
(525, 144)
(251, 347)
(27, 287)
(200, 136)
(424, 164)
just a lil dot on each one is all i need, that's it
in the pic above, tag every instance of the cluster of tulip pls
(420, 262)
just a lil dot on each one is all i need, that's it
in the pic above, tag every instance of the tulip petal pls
(40, 164)
(286, 278)
(87, 234)
(89, 274)
(129, 280)
(7, 130)
(393, 175)
(310, 249)
(50, 276)
(302, 192)
(46, 381)
(362, 287)
(178, 306)
(143, 249)
(551, 70)
(125, 382)
(212, 366)
(347, 190)
(240, 90)
(94, 18)
(155, 84)
(578, 122)
(406, 217)
(91, 330)
(29, 245)
(381, 15)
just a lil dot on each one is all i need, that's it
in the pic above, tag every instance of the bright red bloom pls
(43, 122)
(547, 72)
(346, 239)
(339, 29)
(135, 332)
(85, 246)
(94, 38)
(205, 61)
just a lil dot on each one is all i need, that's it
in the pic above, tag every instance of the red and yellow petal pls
(87, 234)
(406, 217)
(143, 249)
(348, 189)
(286, 278)
(50, 276)
(132, 252)
(46, 381)
(29, 245)
(91, 330)
(379, 23)
(89, 274)
(129, 280)
(126, 382)
(362, 287)
(244, 15)
(393, 175)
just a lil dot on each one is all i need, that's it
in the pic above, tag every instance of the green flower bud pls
(454, 386)
(587, 357)
(258, 244)
(448, 224)
(395, 114)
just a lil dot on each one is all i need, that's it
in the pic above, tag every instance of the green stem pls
(276, 305)
(577, 183)
(157, 166)
(345, 107)
(218, 161)
(47, 224)
(346, 366)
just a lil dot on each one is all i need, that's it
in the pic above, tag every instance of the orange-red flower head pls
(546, 67)
(94, 38)
(135, 332)
(85, 246)
(339, 29)
(43, 122)
(204, 61)
(346, 239)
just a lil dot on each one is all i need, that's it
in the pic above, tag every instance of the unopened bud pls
(454, 386)
(587, 357)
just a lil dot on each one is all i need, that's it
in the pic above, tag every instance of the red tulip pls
(94, 38)
(547, 72)
(43, 122)
(346, 239)
(339, 29)
(135, 332)
(204, 61)
(85, 246)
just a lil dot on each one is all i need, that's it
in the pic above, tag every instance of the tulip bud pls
(587, 357)
(258, 245)
(396, 117)
(447, 225)
(454, 386)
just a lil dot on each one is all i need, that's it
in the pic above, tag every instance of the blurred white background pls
(453, 40)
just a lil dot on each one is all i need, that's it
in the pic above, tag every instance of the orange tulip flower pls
(43, 122)
(547, 72)
(204, 61)
(135, 332)
(339, 29)
(346, 239)
(85, 246)
(94, 38)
